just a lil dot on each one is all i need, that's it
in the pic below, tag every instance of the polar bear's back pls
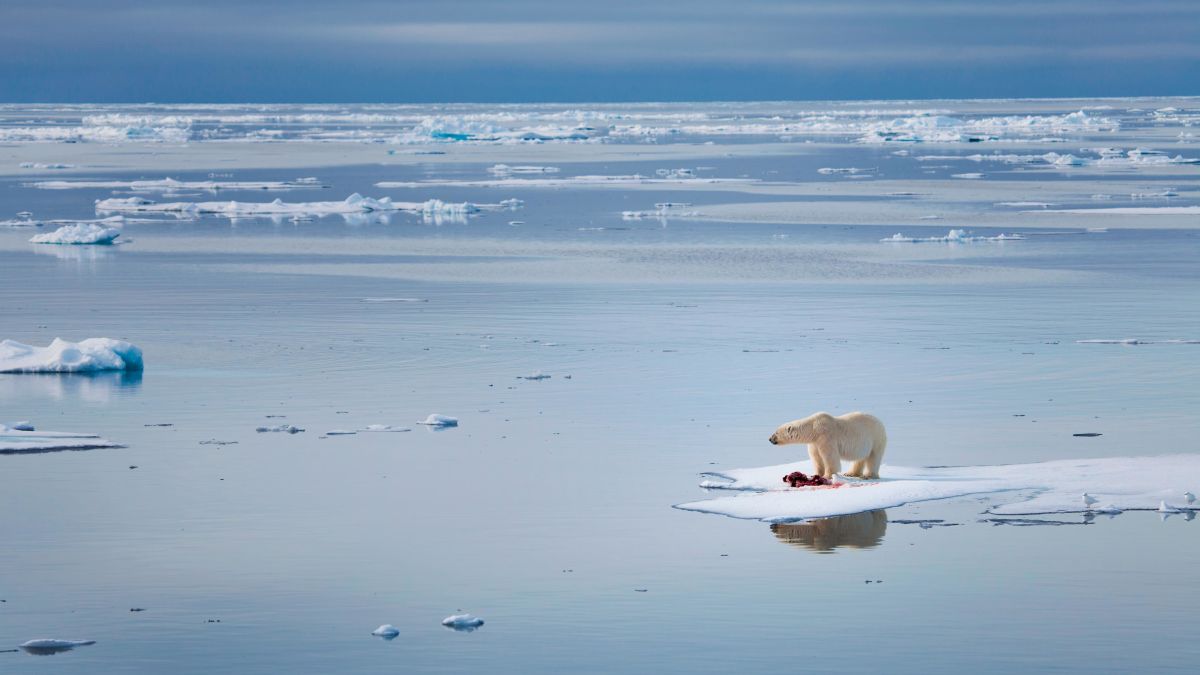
(861, 433)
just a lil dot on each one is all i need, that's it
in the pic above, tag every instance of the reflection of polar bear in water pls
(858, 530)
(855, 437)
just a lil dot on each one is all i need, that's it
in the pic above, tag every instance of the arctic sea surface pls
(617, 304)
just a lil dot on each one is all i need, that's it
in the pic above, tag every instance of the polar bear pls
(855, 437)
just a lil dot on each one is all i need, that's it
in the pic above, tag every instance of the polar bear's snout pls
(774, 439)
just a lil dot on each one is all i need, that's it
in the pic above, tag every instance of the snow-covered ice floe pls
(15, 441)
(953, 236)
(52, 646)
(86, 356)
(171, 185)
(1132, 211)
(79, 234)
(436, 420)
(1119, 484)
(354, 204)
(466, 622)
(571, 181)
(1135, 341)
(387, 631)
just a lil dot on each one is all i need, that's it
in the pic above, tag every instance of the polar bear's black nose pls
(774, 441)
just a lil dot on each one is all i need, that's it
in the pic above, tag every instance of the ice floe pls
(1131, 211)
(354, 204)
(1123, 483)
(953, 236)
(627, 180)
(45, 165)
(462, 622)
(81, 233)
(281, 428)
(436, 420)
(946, 129)
(172, 185)
(386, 631)
(14, 440)
(388, 428)
(1135, 341)
(505, 169)
(45, 646)
(61, 356)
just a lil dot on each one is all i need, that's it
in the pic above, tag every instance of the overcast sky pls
(597, 50)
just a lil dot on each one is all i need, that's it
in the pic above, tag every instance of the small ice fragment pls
(26, 425)
(340, 432)
(386, 631)
(462, 622)
(283, 428)
(44, 646)
(436, 420)
(384, 428)
(534, 376)
(1164, 507)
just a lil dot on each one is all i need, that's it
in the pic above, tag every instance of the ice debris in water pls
(386, 428)
(282, 428)
(504, 169)
(23, 425)
(82, 233)
(52, 646)
(462, 622)
(953, 236)
(534, 376)
(22, 438)
(85, 356)
(354, 204)
(171, 185)
(387, 630)
(436, 420)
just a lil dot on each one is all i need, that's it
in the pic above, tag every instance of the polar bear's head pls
(807, 430)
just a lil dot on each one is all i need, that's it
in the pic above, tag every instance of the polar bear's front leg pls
(818, 462)
(830, 460)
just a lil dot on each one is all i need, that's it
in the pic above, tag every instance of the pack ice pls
(86, 356)
(80, 233)
(1116, 484)
(14, 440)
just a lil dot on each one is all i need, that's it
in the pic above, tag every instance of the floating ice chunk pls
(354, 204)
(1129, 483)
(1164, 507)
(1135, 341)
(504, 169)
(569, 182)
(23, 425)
(386, 428)
(86, 356)
(340, 432)
(394, 300)
(44, 165)
(83, 233)
(539, 375)
(849, 171)
(953, 236)
(1132, 211)
(968, 176)
(45, 646)
(282, 428)
(172, 185)
(436, 420)
(462, 622)
(387, 631)
(15, 440)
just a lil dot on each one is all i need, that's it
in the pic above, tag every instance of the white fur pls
(855, 437)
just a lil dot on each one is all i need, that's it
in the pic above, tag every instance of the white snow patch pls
(81, 233)
(61, 356)
(1124, 483)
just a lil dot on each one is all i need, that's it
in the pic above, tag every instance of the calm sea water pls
(548, 510)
